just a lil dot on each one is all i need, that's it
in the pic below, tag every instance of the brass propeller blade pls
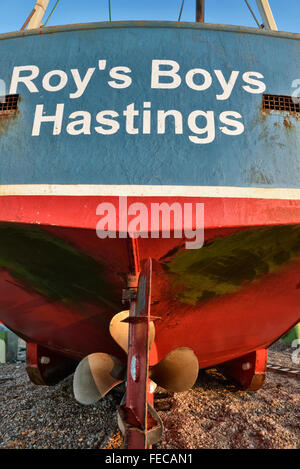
(177, 371)
(119, 330)
(95, 376)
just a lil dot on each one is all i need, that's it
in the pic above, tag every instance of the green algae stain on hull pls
(227, 264)
(52, 267)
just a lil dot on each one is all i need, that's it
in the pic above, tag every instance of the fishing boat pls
(150, 203)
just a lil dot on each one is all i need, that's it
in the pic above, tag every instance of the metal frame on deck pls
(36, 16)
(266, 14)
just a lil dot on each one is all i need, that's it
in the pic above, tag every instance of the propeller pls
(95, 376)
(134, 332)
(177, 371)
(98, 373)
(119, 328)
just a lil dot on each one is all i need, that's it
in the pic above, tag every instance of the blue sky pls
(287, 12)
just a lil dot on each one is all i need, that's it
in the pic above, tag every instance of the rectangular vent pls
(8, 105)
(273, 102)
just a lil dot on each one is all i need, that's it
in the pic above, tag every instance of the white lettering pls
(80, 126)
(63, 80)
(189, 78)
(27, 80)
(172, 74)
(227, 87)
(296, 93)
(260, 86)
(161, 121)
(238, 126)
(39, 118)
(117, 75)
(130, 114)
(147, 118)
(209, 128)
(81, 84)
(111, 123)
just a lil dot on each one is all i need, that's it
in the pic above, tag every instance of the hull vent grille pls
(273, 102)
(8, 105)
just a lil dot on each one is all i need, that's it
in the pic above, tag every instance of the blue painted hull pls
(265, 154)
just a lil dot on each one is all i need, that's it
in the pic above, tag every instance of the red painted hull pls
(251, 314)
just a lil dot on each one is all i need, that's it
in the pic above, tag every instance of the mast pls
(37, 15)
(200, 7)
(266, 14)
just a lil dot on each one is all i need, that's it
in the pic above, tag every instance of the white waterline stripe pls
(151, 191)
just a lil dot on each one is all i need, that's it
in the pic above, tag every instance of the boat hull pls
(150, 113)
(61, 285)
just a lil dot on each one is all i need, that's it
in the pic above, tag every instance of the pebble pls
(214, 414)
